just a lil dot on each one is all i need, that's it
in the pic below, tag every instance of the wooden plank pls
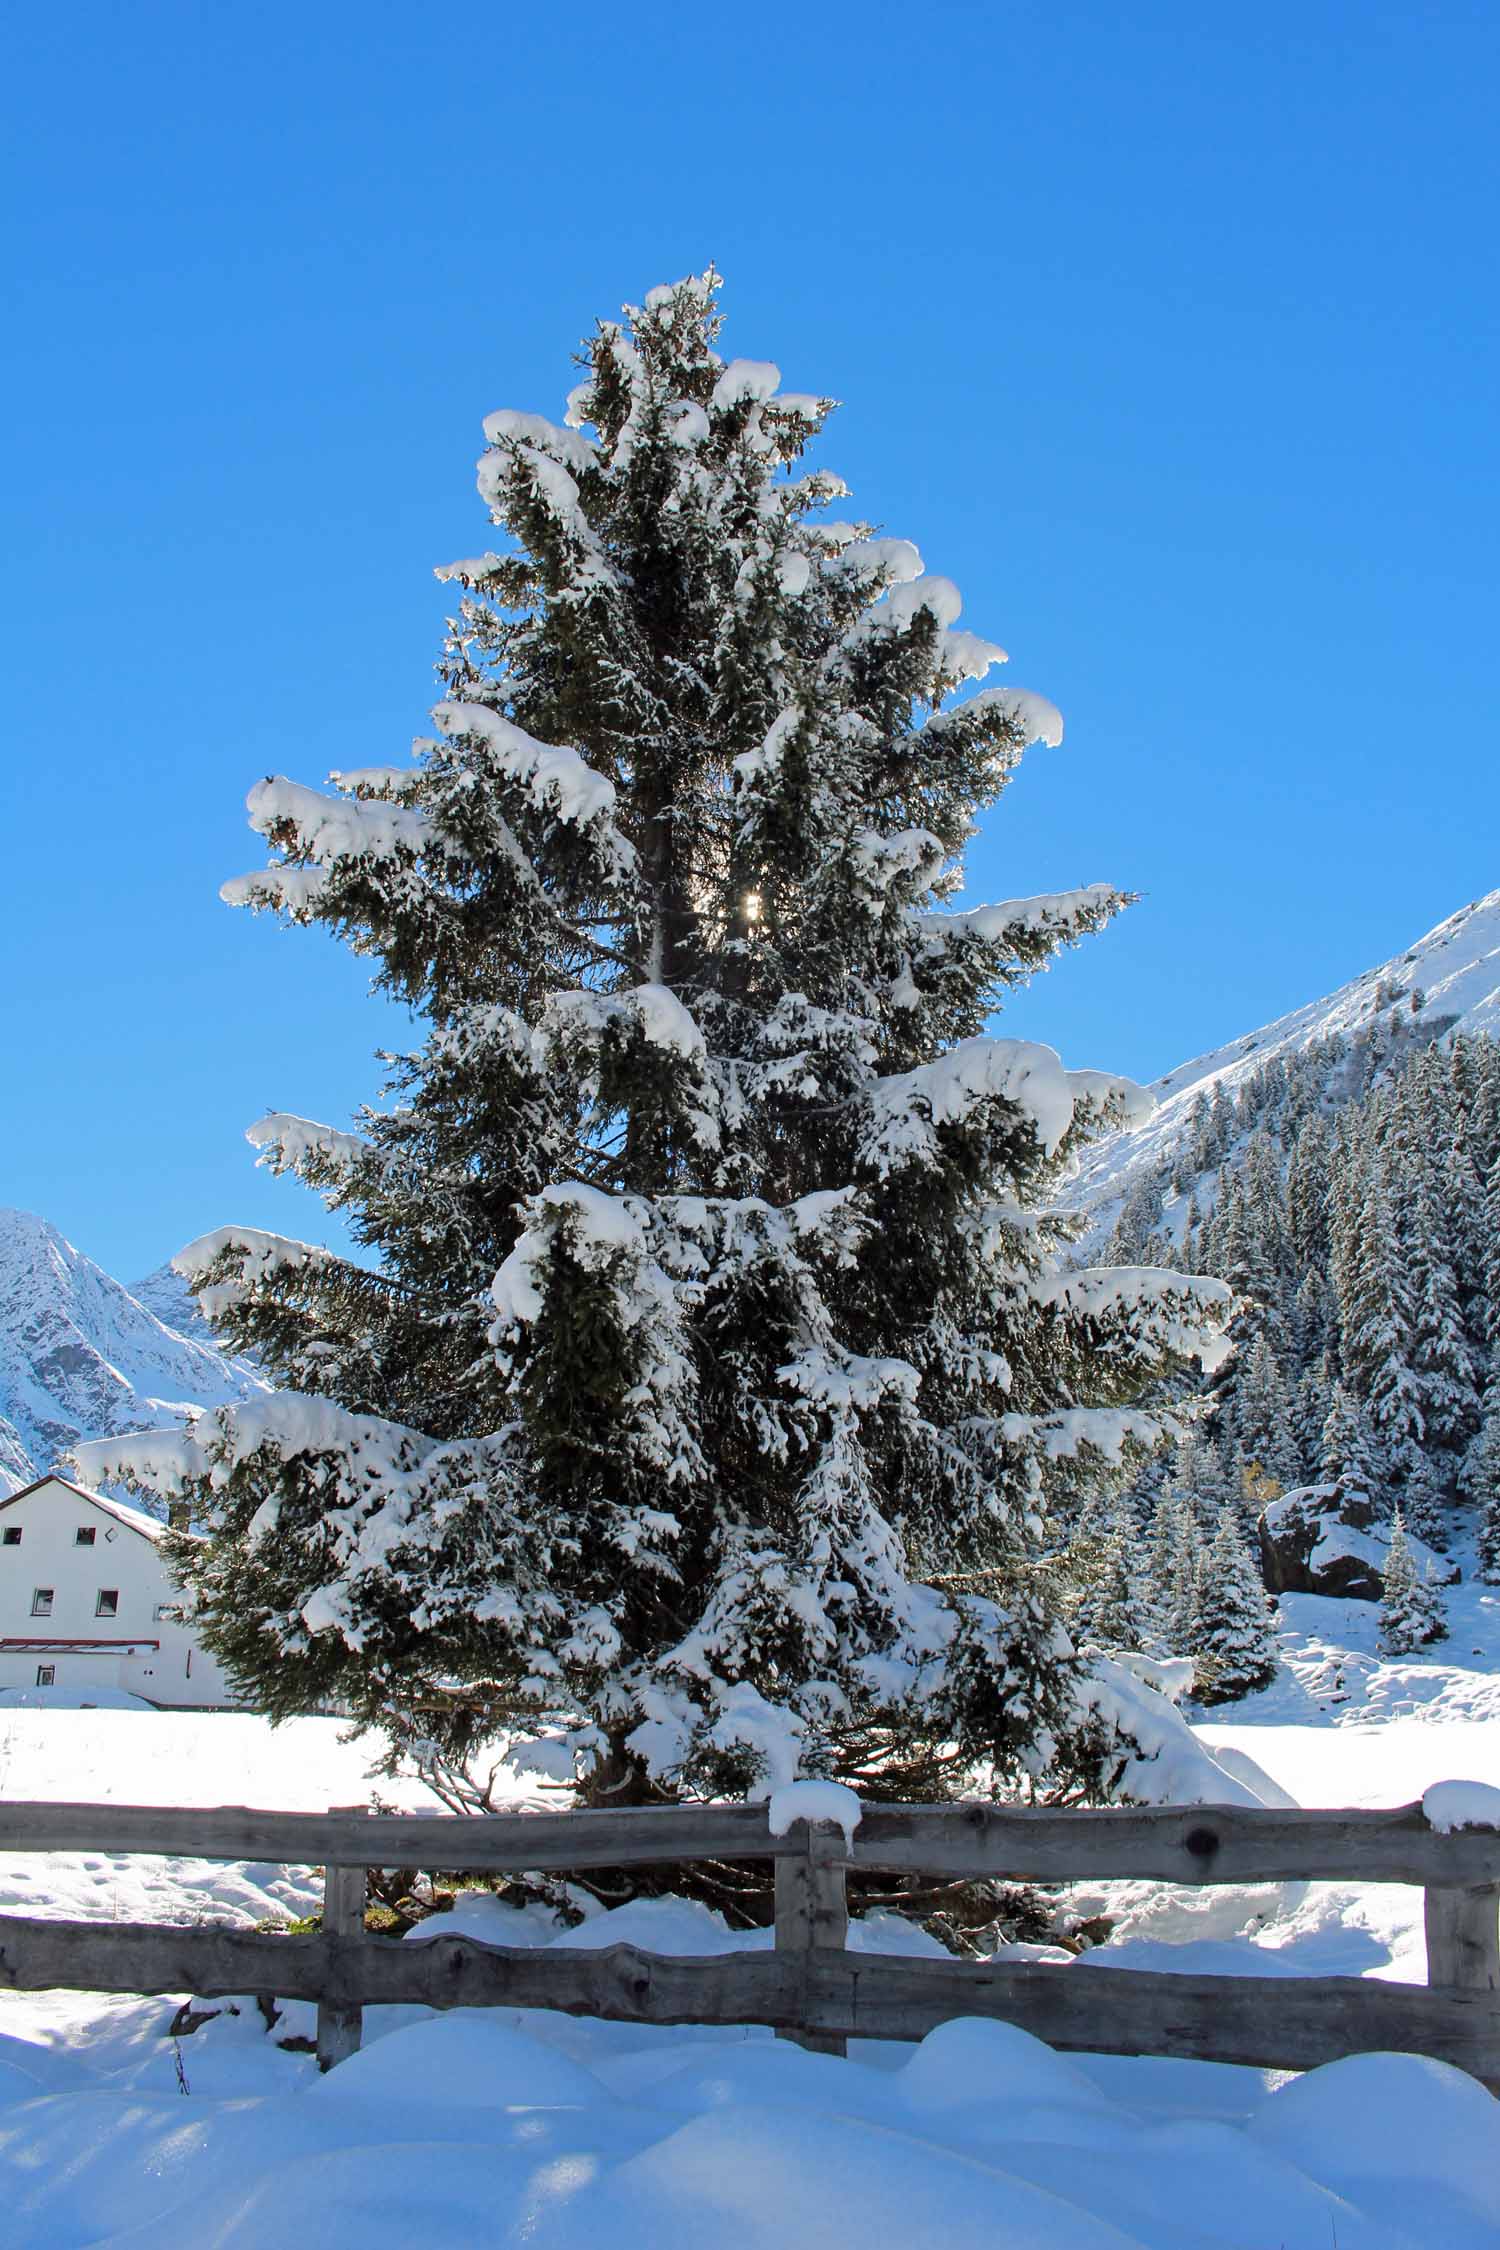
(812, 1913)
(1276, 2023)
(500, 1843)
(341, 2026)
(1287, 2023)
(1183, 1844)
(1463, 1937)
(618, 1982)
(1173, 1843)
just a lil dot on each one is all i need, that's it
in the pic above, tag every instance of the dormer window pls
(85, 1535)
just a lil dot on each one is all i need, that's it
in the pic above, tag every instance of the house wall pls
(121, 1559)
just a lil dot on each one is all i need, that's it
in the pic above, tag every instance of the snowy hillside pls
(1452, 974)
(80, 1356)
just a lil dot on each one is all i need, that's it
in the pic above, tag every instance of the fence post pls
(1463, 1936)
(812, 1910)
(340, 2029)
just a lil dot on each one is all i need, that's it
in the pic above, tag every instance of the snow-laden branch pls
(1052, 915)
(297, 1144)
(555, 778)
(1037, 719)
(510, 425)
(907, 1109)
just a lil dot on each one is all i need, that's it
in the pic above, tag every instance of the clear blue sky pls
(1168, 332)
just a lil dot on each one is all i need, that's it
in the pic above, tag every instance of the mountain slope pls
(81, 1357)
(1448, 980)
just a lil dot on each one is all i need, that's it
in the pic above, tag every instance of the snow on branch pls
(259, 1258)
(325, 829)
(569, 447)
(393, 783)
(966, 656)
(895, 560)
(1068, 1431)
(959, 655)
(1184, 1316)
(1167, 1764)
(556, 779)
(296, 1144)
(754, 380)
(938, 597)
(1038, 720)
(1052, 915)
(907, 1108)
(653, 1009)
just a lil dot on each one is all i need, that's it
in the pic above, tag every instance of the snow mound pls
(469, 2059)
(827, 1801)
(1450, 1805)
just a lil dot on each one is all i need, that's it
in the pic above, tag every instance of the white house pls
(86, 1601)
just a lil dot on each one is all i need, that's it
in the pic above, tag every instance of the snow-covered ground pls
(507, 2127)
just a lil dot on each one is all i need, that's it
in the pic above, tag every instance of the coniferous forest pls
(1350, 1196)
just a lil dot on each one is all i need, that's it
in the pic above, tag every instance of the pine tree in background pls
(1349, 1460)
(1441, 1358)
(1113, 1608)
(705, 1386)
(1263, 1423)
(1411, 1608)
(1482, 1480)
(1171, 1554)
(1378, 1337)
(1232, 1636)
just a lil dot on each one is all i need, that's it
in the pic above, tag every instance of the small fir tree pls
(1232, 1638)
(1411, 1608)
(704, 1387)
(1170, 1554)
(1112, 1608)
(1349, 1460)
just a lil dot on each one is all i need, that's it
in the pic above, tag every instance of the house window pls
(12, 1536)
(41, 1602)
(46, 1675)
(85, 1535)
(166, 1613)
(108, 1604)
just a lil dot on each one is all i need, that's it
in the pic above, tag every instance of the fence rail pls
(810, 1988)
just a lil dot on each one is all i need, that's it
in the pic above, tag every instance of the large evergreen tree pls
(703, 1387)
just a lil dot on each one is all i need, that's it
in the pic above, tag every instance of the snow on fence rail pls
(809, 1988)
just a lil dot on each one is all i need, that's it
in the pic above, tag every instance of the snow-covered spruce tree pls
(1171, 1556)
(1411, 1608)
(1231, 1634)
(1349, 1462)
(1482, 1480)
(1112, 1607)
(700, 1393)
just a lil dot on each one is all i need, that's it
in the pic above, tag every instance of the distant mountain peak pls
(82, 1356)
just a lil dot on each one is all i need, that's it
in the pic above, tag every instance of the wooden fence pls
(809, 1988)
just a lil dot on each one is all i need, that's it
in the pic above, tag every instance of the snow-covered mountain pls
(1448, 980)
(82, 1356)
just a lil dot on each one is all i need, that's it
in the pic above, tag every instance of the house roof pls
(134, 1519)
